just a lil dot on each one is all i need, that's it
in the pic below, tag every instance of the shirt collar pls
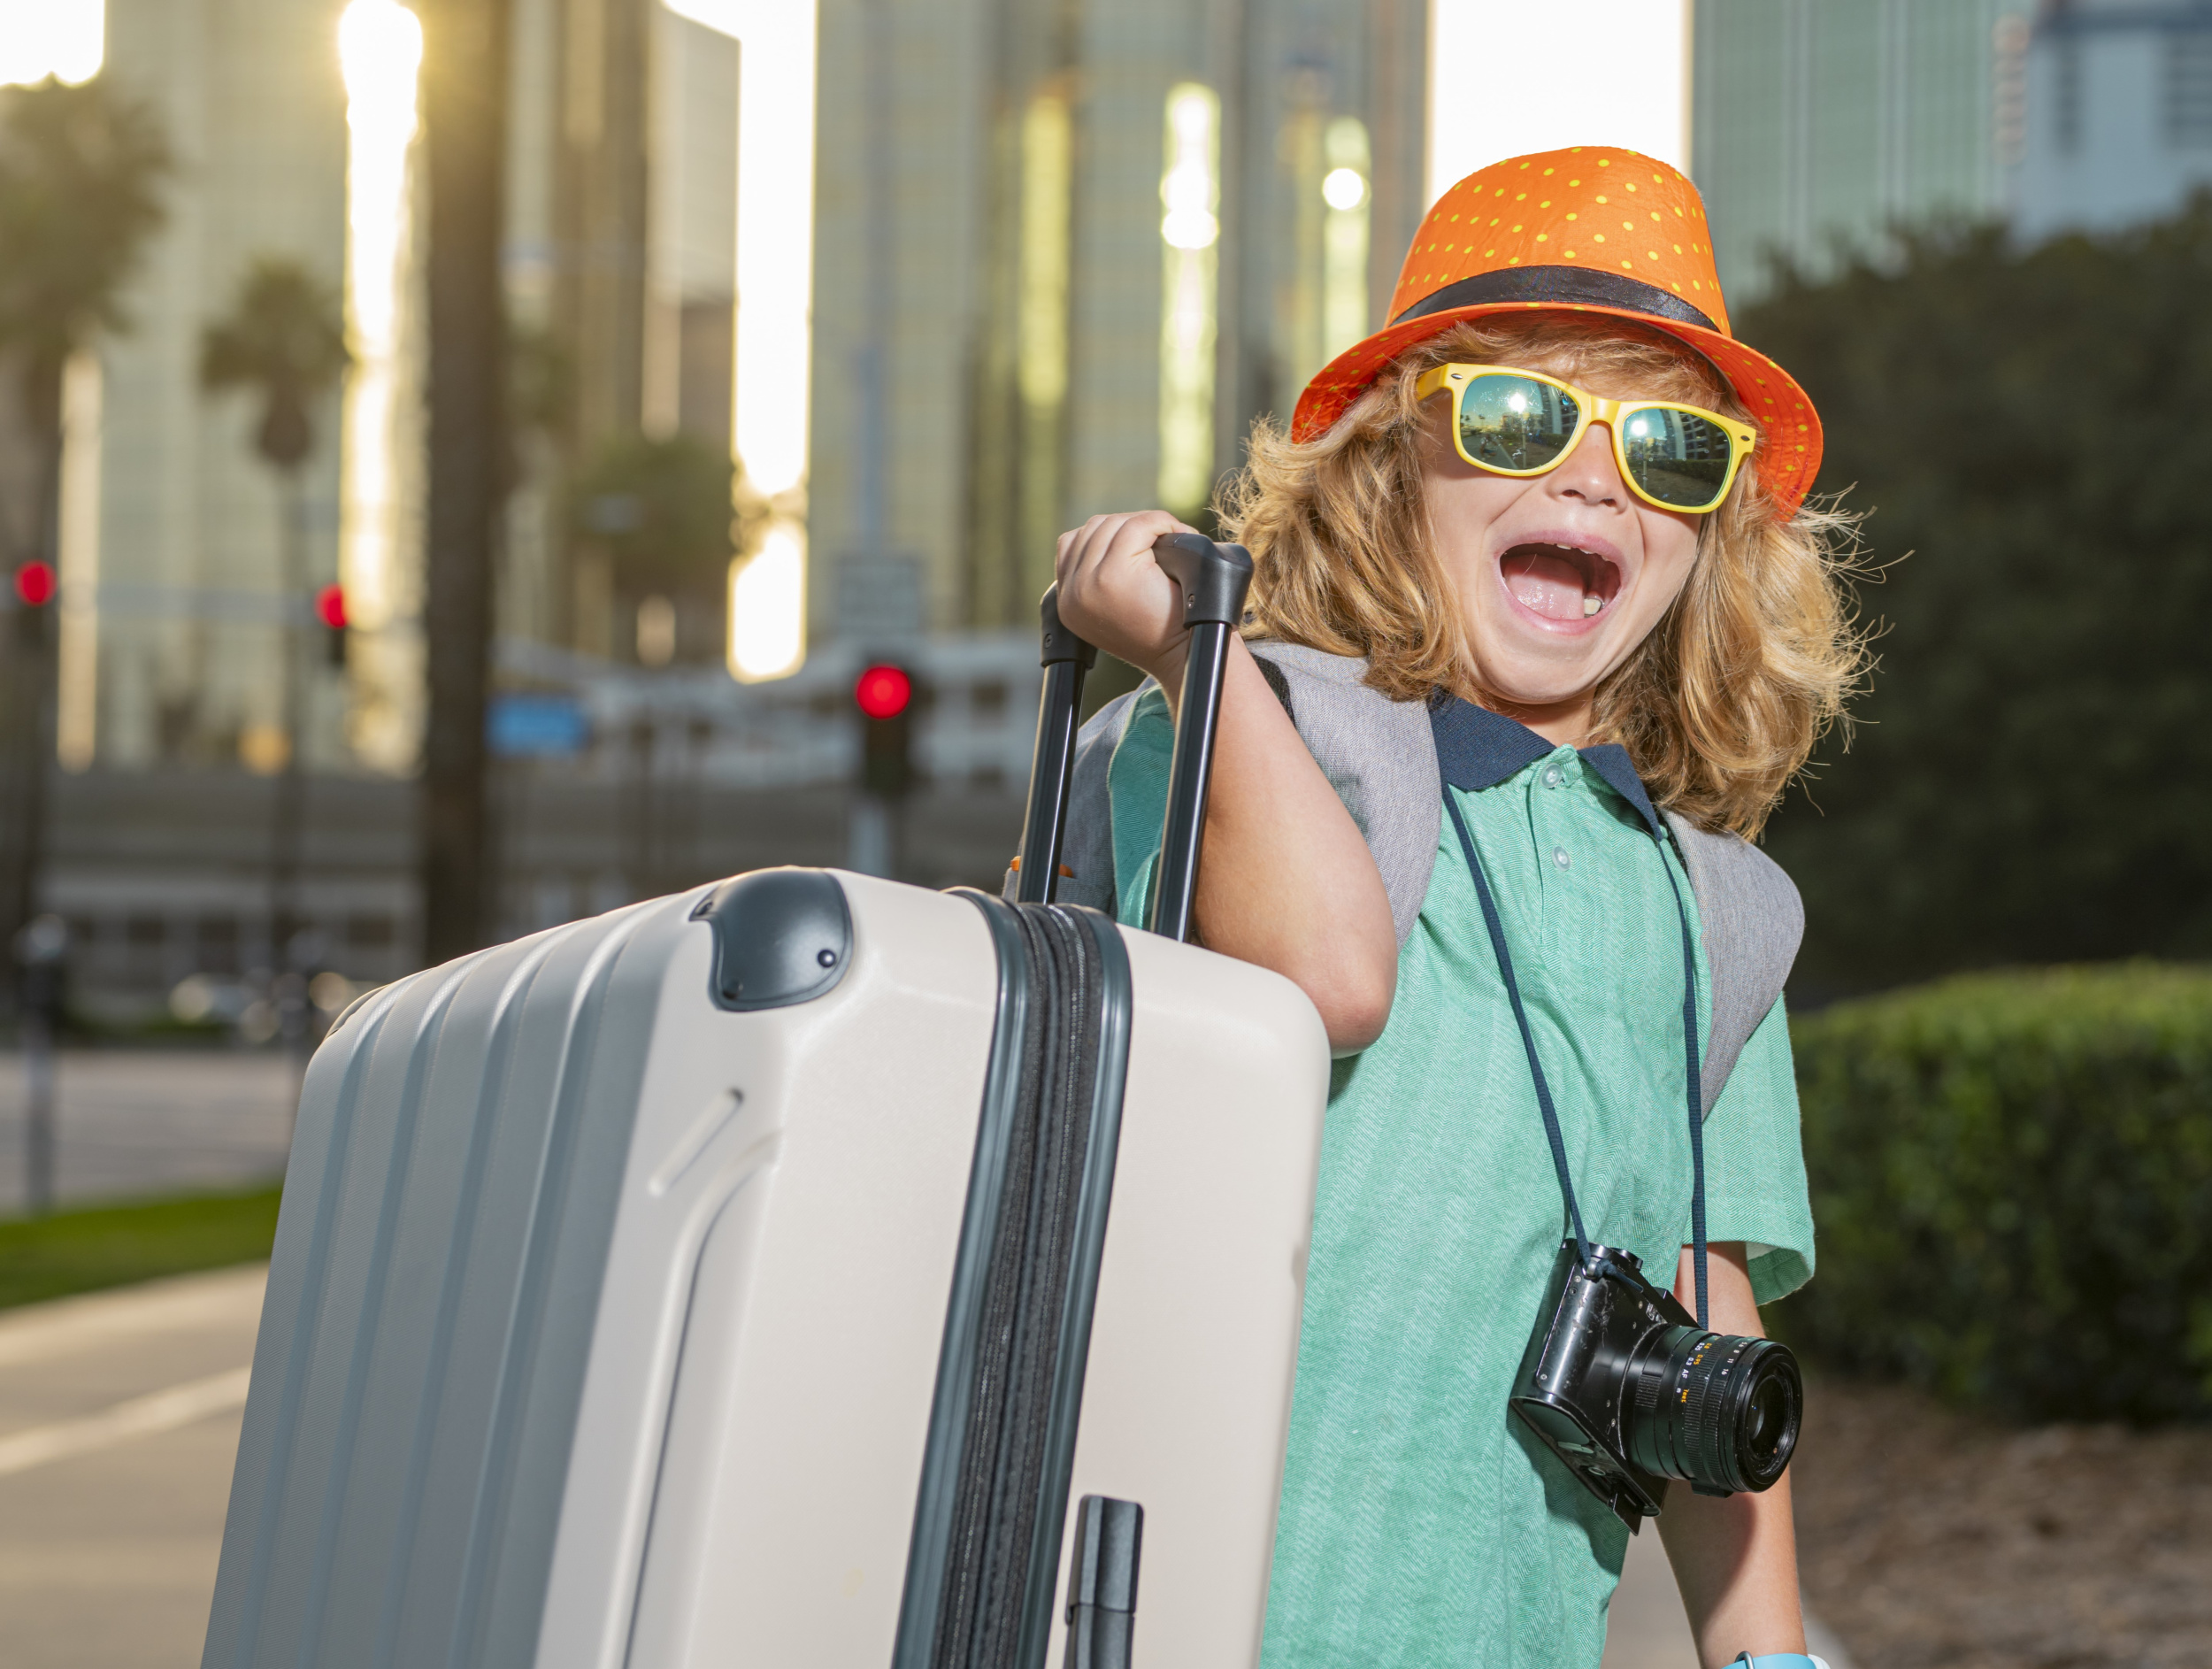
(1477, 748)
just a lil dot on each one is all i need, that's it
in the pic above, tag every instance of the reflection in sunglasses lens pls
(1516, 423)
(1678, 459)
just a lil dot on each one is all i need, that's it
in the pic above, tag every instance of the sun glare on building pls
(775, 288)
(768, 607)
(1632, 63)
(1190, 194)
(379, 49)
(64, 38)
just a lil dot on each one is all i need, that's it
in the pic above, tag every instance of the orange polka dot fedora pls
(1591, 230)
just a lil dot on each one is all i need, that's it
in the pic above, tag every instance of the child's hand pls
(1113, 594)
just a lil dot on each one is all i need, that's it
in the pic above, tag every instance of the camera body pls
(1629, 1393)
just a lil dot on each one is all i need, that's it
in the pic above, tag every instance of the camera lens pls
(1713, 1408)
(1767, 1422)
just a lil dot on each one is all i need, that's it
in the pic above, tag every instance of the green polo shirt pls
(1421, 1524)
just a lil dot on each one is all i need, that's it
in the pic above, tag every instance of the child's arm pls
(1735, 1557)
(1286, 879)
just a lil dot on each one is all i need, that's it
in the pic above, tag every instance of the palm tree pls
(285, 340)
(81, 170)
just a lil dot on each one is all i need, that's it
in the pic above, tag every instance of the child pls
(1484, 590)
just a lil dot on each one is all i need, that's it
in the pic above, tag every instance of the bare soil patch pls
(1933, 1540)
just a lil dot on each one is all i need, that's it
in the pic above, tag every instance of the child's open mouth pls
(1560, 583)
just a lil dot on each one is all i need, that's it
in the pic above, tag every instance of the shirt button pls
(1551, 776)
(1559, 856)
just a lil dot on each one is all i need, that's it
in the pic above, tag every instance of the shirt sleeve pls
(1755, 1164)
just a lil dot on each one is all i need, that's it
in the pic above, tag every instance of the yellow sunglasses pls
(1522, 423)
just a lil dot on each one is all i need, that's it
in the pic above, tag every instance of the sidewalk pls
(119, 1424)
(131, 1123)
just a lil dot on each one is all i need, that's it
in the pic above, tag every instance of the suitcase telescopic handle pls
(1067, 660)
(1213, 580)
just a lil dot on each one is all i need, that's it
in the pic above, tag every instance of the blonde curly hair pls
(1719, 707)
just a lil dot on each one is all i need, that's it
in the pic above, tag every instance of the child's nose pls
(1589, 474)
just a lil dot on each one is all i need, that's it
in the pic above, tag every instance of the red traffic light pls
(34, 584)
(330, 607)
(882, 692)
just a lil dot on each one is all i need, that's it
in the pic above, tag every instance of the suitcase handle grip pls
(1213, 580)
(1101, 1611)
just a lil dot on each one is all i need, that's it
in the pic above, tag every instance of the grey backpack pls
(1379, 755)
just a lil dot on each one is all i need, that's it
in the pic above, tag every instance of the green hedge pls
(2012, 1184)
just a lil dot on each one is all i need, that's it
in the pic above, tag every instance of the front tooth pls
(1591, 606)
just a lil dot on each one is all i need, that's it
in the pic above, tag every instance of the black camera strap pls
(1492, 920)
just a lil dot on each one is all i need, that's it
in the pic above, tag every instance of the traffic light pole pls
(289, 814)
(30, 705)
(871, 837)
(40, 955)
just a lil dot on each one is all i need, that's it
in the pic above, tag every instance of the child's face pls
(1559, 577)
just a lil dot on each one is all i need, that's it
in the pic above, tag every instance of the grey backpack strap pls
(1754, 921)
(1378, 755)
(1087, 850)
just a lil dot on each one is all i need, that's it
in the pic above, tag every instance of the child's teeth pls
(1591, 606)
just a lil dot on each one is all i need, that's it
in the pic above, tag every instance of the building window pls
(2009, 101)
(218, 944)
(2066, 95)
(369, 931)
(2189, 89)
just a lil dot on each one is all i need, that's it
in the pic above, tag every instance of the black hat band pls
(1560, 287)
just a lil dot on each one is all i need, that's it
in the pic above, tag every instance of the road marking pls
(225, 1297)
(140, 1416)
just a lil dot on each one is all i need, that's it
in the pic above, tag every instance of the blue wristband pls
(1777, 1660)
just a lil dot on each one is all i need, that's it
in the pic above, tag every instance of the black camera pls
(1625, 1388)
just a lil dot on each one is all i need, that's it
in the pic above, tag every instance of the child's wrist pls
(1167, 670)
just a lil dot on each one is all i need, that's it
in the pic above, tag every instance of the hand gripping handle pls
(1213, 580)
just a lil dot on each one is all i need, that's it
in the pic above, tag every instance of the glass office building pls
(1820, 127)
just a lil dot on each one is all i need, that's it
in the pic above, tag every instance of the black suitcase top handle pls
(1213, 579)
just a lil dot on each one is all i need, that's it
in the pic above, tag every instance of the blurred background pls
(470, 465)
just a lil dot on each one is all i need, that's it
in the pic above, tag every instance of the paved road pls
(137, 1122)
(119, 1422)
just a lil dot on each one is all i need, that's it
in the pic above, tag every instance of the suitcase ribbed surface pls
(996, 1486)
(446, 1217)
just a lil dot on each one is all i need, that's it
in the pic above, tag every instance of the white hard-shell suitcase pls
(775, 1273)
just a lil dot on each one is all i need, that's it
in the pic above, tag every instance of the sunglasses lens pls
(1679, 458)
(1516, 423)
